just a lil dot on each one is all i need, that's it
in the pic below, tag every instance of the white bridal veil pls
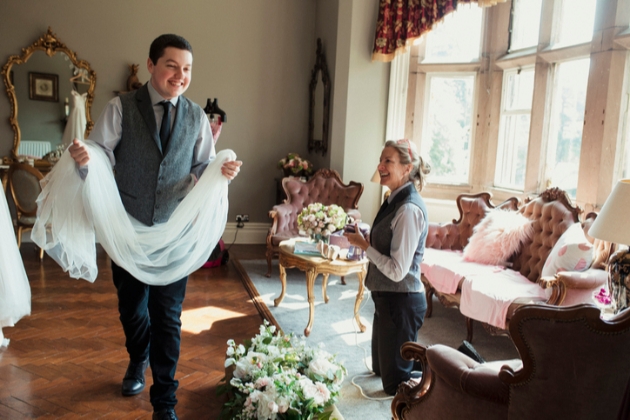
(74, 214)
(15, 291)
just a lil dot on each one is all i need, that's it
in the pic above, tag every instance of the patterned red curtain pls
(402, 21)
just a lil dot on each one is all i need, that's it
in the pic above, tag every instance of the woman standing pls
(395, 250)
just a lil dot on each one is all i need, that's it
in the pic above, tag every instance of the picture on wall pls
(44, 87)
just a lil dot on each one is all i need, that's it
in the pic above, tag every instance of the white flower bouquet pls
(276, 376)
(317, 219)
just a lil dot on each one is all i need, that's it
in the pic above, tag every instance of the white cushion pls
(572, 252)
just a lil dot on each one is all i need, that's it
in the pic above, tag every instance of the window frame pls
(452, 75)
(553, 124)
(503, 112)
(599, 168)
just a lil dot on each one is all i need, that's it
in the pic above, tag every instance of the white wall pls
(359, 141)
(326, 30)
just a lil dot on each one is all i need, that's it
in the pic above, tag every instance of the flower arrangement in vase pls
(276, 376)
(294, 165)
(320, 221)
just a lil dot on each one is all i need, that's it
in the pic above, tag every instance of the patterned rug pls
(335, 328)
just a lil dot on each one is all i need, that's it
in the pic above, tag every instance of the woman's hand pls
(356, 238)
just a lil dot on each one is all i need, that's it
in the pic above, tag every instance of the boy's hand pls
(231, 168)
(79, 152)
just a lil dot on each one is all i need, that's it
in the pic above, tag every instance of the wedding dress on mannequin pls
(78, 213)
(15, 291)
(75, 126)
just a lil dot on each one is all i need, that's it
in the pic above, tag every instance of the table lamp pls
(613, 225)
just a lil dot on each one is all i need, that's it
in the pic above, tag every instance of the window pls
(525, 24)
(576, 22)
(567, 121)
(447, 139)
(510, 115)
(457, 39)
(516, 105)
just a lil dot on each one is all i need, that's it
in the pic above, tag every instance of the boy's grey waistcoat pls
(152, 182)
(381, 239)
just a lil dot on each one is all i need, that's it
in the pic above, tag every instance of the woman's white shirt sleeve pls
(407, 226)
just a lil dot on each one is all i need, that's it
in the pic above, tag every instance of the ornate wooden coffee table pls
(313, 266)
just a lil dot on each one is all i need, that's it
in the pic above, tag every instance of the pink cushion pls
(572, 252)
(445, 269)
(497, 237)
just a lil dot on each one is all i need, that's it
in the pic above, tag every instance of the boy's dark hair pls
(160, 43)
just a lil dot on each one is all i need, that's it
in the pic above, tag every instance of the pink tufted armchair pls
(324, 187)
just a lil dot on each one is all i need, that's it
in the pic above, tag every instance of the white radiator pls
(34, 148)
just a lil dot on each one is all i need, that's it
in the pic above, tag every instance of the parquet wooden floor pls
(67, 360)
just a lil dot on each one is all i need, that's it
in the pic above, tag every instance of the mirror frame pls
(320, 66)
(50, 44)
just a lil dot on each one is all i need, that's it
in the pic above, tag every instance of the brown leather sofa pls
(551, 214)
(325, 187)
(573, 365)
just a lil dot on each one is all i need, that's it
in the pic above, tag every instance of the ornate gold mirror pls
(319, 104)
(44, 81)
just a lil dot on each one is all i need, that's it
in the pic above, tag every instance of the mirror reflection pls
(49, 120)
(51, 94)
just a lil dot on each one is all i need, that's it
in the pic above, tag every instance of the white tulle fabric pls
(77, 213)
(15, 291)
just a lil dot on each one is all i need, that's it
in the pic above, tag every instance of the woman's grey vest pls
(381, 239)
(152, 183)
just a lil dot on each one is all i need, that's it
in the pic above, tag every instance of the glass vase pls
(317, 237)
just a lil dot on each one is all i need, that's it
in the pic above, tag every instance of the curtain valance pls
(400, 22)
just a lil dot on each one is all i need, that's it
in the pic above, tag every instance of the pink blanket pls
(487, 298)
(445, 268)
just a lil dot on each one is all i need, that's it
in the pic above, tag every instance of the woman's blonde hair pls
(409, 155)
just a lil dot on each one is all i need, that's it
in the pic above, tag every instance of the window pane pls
(624, 171)
(458, 38)
(512, 152)
(525, 24)
(575, 25)
(518, 89)
(446, 141)
(567, 121)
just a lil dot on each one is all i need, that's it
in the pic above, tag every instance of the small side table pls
(313, 266)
